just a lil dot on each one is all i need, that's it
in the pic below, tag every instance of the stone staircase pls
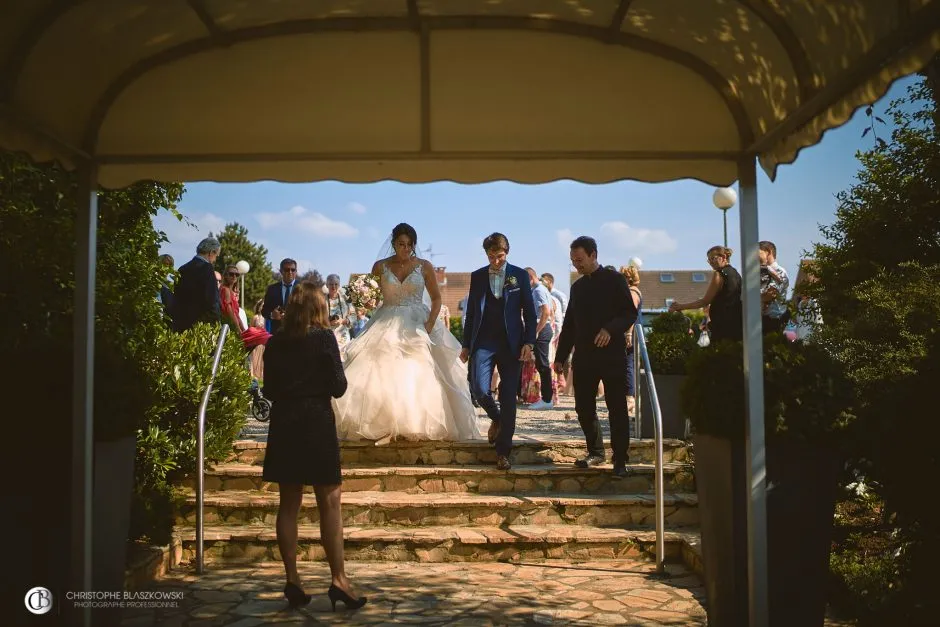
(446, 501)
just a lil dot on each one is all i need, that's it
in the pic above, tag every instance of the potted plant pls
(808, 408)
(669, 346)
(123, 395)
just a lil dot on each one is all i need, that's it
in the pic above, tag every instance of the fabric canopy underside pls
(461, 90)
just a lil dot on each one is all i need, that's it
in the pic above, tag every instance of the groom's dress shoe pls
(493, 432)
(502, 462)
(590, 460)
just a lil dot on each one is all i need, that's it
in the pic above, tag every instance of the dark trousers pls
(507, 362)
(614, 375)
(544, 368)
(470, 380)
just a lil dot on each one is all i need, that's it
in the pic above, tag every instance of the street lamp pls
(243, 268)
(724, 198)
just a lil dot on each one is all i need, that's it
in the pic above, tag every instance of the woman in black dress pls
(723, 298)
(303, 372)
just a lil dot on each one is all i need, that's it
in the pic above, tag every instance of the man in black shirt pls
(599, 313)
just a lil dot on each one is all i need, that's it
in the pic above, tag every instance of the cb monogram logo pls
(38, 600)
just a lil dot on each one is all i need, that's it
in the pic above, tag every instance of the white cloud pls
(565, 237)
(300, 218)
(190, 230)
(356, 207)
(639, 240)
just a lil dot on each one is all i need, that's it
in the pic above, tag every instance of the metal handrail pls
(658, 443)
(201, 454)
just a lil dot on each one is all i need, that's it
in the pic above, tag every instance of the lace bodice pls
(407, 293)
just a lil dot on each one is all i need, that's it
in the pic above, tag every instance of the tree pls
(879, 290)
(236, 247)
(891, 216)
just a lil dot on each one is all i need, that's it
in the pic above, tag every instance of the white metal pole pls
(83, 385)
(754, 376)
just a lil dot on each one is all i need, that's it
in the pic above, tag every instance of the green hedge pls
(167, 445)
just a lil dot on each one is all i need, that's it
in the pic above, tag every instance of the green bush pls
(167, 446)
(806, 392)
(672, 322)
(863, 582)
(669, 352)
(146, 379)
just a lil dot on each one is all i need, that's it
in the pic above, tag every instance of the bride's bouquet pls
(363, 291)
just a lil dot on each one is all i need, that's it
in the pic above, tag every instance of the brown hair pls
(306, 308)
(768, 247)
(496, 241)
(631, 274)
(720, 250)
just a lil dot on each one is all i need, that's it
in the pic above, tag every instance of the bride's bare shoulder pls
(378, 265)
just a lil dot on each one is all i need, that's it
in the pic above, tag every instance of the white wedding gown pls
(404, 383)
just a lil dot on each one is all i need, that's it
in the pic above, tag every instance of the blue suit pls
(495, 332)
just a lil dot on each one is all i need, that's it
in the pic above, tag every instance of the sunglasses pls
(286, 270)
(231, 274)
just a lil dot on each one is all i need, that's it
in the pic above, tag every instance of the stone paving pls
(610, 592)
(562, 421)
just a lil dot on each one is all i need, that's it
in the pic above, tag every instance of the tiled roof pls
(656, 291)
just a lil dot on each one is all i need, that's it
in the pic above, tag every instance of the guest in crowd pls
(196, 296)
(722, 297)
(599, 313)
(303, 372)
(229, 299)
(537, 371)
(278, 294)
(632, 275)
(774, 285)
(548, 280)
(165, 295)
(361, 321)
(341, 312)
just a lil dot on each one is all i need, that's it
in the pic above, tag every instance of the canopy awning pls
(425, 90)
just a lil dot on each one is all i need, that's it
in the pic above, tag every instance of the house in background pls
(661, 288)
(804, 276)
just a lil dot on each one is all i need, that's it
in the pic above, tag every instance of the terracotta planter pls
(802, 482)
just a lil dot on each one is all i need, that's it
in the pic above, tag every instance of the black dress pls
(725, 310)
(300, 377)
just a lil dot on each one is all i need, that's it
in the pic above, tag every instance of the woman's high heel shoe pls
(295, 595)
(337, 594)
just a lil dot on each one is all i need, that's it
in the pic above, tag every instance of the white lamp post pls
(243, 268)
(724, 198)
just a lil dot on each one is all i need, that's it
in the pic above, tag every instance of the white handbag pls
(704, 339)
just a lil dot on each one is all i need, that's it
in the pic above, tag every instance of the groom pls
(500, 331)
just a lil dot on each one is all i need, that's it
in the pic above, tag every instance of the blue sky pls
(335, 227)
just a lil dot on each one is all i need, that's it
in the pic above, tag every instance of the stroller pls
(260, 406)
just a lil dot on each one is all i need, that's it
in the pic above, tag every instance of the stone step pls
(227, 544)
(526, 450)
(458, 509)
(522, 479)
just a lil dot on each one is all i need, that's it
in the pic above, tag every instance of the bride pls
(405, 376)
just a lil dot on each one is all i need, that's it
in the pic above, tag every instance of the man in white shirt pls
(549, 282)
